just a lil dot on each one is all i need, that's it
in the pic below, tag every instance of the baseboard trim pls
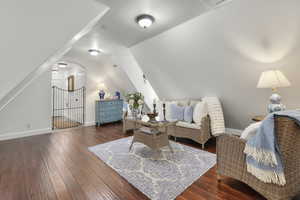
(22, 134)
(234, 131)
(15, 135)
(89, 123)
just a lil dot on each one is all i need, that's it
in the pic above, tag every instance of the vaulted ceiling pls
(120, 20)
(117, 30)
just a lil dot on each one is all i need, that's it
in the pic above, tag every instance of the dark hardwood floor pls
(59, 166)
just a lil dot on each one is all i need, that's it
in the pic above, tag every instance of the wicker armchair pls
(231, 161)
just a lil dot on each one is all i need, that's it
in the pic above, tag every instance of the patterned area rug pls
(162, 179)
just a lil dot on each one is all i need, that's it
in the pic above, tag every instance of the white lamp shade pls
(102, 86)
(273, 79)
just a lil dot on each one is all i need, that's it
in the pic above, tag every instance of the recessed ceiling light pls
(94, 52)
(62, 65)
(144, 20)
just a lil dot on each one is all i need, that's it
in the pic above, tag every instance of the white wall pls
(60, 76)
(126, 77)
(36, 34)
(129, 65)
(34, 30)
(33, 105)
(223, 53)
(31, 110)
(100, 70)
(99, 73)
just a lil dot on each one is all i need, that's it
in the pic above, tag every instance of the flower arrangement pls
(135, 100)
(136, 103)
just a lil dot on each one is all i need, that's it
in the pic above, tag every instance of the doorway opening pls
(68, 95)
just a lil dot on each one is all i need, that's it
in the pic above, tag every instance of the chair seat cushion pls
(188, 125)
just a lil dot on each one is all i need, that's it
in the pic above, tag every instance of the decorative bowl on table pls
(152, 116)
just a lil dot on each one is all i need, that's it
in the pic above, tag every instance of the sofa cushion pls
(200, 111)
(177, 112)
(188, 114)
(188, 125)
(168, 109)
(160, 109)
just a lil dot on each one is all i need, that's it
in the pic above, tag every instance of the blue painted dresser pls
(107, 111)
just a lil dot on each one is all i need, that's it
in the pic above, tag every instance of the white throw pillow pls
(200, 111)
(183, 103)
(250, 131)
(159, 109)
(168, 110)
(193, 103)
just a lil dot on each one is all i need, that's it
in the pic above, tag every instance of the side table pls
(129, 124)
(258, 118)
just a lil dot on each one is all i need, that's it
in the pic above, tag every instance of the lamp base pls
(275, 104)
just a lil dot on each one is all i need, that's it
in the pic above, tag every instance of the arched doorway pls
(68, 95)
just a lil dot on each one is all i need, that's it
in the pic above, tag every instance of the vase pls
(118, 94)
(134, 111)
(140, 111)
(101, 94)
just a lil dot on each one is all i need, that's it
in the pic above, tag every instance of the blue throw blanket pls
(262, 151)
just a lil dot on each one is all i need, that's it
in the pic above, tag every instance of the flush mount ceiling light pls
(94, 52)
(62, 65)
(144, 20)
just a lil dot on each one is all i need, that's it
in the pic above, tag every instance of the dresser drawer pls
(108, 111)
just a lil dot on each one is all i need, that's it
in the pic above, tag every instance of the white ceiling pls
(118, 30)
(100, 69)
(118, 27)
(120, 19)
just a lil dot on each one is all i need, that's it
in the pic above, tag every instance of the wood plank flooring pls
(59, 166)
(64, 122)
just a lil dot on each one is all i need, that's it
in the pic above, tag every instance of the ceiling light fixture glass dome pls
(144, 20)
(62, 65)
(94, 52)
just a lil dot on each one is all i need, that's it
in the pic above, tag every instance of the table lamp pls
(273, 79)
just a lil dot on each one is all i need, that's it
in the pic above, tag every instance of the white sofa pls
(210, 123)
